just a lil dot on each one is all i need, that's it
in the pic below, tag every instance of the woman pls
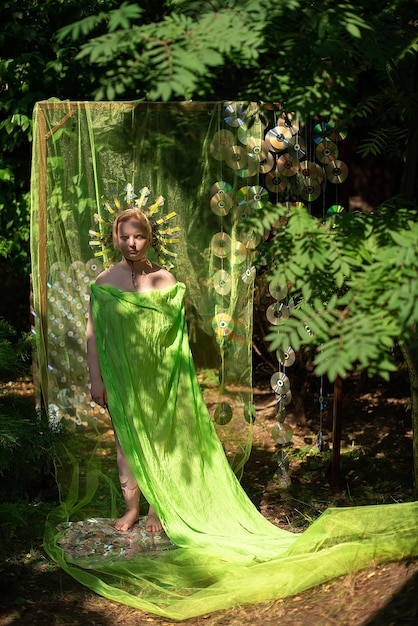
(134, 273)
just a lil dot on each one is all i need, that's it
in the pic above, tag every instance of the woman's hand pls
(98, 393)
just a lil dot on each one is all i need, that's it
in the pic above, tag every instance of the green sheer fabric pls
(165, 429)
(222, 551)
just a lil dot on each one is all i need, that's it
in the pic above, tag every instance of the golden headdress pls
(162, 235)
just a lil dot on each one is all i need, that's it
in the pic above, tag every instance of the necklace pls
(134, 274)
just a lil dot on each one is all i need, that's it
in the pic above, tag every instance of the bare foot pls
(125, 523)
(153, 524)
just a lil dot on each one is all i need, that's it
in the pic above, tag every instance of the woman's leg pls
(153, 524)
(131, 494)
(130, 491)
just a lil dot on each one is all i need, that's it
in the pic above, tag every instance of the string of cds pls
(264, 155)
(238, 154)
(282, 433)
(322, 401)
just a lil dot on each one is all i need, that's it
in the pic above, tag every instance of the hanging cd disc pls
(282, 433)
(278, 138)
(319, 132)
(220, 186)
(310, 189)
(326, 152)
(223, 413)
(255, 145)
(290, 122)
(238, 253)
(250, 238)
(257, 197)
(277, 290)
(309, 169)
(251, 169)
(242, 212)
(287, 358)
(296, 205)
(336, 172)
(222, 141)
(283, 400)
(236, 157)
(221, 203)
(275, 182)
(255, 131)
(249, 275)
(257, 148)
(335, 208)
(339, 131)
(93, 265)
(322, 132)
(267, 164)
(241, 196)
(259, 151)
(287, 165)
(333, 131)
(280, 383)
(297, 148)
(277, 313)
(221, 245)
(222, 325)
(235, 115)
(222, 282)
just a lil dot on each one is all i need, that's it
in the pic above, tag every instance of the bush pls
(27, 443)
(27, 450)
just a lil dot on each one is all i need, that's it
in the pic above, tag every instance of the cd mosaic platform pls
(93, 541)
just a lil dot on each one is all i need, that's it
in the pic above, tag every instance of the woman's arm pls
(98, 391)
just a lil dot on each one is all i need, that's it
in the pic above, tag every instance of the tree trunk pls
(411, 359)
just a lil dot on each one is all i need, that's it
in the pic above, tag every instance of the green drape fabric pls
(164, 427)
(222, 551)
(225, 552)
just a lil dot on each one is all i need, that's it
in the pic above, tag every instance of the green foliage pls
(27, 449)
(120, 18)
(354, 280)
(308, 56)
(21, 520)
(14, 352)
(33, 67)
(383, 141)
(27, 443)
(168, 58)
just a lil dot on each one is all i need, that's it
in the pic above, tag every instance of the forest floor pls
(375, 468)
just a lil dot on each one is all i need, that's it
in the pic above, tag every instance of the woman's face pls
(133, 239)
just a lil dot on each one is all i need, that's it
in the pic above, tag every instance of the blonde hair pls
(133, 213)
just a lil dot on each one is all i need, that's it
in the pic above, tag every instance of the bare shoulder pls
(161, 278)
(111, 276)
(103, 277)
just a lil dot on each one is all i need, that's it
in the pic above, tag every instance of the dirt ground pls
(375, 468)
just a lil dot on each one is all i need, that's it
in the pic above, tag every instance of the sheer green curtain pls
(84, 151)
